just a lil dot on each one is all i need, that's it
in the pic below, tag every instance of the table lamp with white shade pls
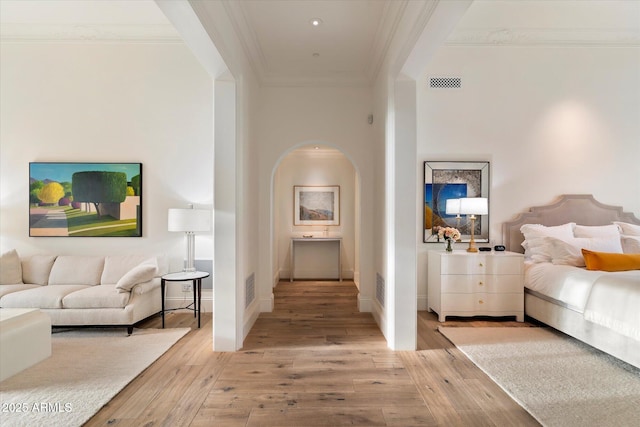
(452, 207)
(189, 221)
(473, 206)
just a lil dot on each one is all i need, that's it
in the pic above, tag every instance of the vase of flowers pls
(449, 245)
(450, 235)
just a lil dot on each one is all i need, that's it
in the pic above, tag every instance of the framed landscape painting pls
(454, 180)
(316, 205)
(85, 199)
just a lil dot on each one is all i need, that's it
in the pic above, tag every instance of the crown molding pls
(88, 33)
(391, 18)
(544, 37)
(239, 18)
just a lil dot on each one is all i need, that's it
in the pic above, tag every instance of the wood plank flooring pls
(313, 361)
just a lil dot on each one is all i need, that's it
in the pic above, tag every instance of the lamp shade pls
(189, 220)
(452, 207)
(474, 206)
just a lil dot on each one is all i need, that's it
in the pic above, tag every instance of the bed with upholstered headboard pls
(561, 292)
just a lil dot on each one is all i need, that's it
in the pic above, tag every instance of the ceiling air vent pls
(445, 82)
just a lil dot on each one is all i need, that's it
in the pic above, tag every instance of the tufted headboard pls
(582, 209)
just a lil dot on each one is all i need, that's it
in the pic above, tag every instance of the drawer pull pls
(480, 302)
(481, 265)
(480, 283)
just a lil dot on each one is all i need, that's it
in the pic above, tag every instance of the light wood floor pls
(314, 361)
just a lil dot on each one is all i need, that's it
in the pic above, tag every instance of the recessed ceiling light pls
(316, 22)
(316, 148)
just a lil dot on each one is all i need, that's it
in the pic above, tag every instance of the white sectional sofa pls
(75, 290)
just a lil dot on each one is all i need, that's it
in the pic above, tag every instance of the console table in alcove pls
(337, 241)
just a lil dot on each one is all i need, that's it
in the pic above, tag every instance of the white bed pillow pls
(630, 244)
(569, 252)
(535, 248)
(628, 229)
(596, 230)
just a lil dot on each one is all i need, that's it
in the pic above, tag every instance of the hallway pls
(313, 361)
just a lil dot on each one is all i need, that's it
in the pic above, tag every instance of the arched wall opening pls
(316, 164)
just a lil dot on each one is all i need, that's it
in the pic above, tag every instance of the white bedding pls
(564, 283)
(614, 302)
(610, 299)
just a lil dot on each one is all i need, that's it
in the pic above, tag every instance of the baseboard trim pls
(364, 304)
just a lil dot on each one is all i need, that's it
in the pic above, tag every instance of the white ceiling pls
(347, 48)
(284, 46)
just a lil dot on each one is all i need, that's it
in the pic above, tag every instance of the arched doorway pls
(319, 164)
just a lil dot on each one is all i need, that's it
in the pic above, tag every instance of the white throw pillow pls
(628, 229)
(141, 273)
(631, 244)
(596, 230)
(116, 266)
(569, 252)
(536, 249)
(10, 268)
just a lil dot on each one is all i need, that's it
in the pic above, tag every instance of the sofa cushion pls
(141, 273)
(106, 296)
(36, 269)
(116, 266)
(39, 297)
(7, 289)
(76, 270)
(10, 268)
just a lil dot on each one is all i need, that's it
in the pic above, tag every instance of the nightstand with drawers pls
(461, 283)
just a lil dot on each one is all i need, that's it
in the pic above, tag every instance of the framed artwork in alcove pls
(316, 205)
(453, 180)
(85, 199)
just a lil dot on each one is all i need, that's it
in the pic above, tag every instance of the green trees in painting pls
(34, 191)
(99, 187)
(135, 183)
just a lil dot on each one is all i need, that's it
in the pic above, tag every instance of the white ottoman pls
(25, 339)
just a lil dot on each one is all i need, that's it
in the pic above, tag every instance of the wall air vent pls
(445, 82)
(250, 290)
(380, 289)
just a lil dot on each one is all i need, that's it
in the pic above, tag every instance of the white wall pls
(551, 120)
(107, 102)
(308, 167)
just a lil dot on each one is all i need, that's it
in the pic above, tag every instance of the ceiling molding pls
(239, 18)
(544, 37)
(391, 18)
(89, 33)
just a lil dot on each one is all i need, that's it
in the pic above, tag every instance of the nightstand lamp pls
(189, 221)
(473, 206)
(452, 207)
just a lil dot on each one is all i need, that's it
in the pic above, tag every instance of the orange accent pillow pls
(605, 261)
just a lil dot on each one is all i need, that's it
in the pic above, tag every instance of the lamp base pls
(472, 242)
(189, 270)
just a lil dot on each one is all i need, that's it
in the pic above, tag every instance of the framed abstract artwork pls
(453, 180)
(316, 205)
(85, 199)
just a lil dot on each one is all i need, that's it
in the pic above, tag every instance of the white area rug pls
(87, 368)
(557, 379)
